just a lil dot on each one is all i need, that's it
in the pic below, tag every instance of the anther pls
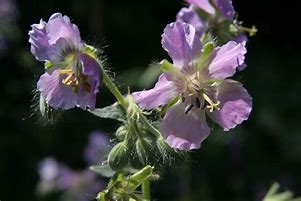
(188, 108)
(183, 99)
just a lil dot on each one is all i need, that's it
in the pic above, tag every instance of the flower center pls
(75, 78)
(197, 94)
(75, 81)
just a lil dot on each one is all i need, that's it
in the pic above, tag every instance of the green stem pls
(114, 90)
(150, 127)
(146, 190)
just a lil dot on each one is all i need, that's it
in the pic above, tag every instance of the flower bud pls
(47, 114)
(119, 156)
(143, 149)
(121, 132)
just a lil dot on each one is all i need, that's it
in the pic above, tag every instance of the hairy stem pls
(146, 190)
(114, 89)
(150, 126)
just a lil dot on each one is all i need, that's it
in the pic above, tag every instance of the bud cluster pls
(140, 143)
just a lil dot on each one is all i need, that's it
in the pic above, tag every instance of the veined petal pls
(226, 8)
(189, 16)
(203, 4)
(182, 43)
(57, 94)
(91, 69)
(38, 38)
(235, 104)
(184, 131)
(60, 26)
(227, 58)
(161, 94)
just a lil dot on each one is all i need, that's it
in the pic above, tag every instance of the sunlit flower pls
(197, 84)
(72, 73)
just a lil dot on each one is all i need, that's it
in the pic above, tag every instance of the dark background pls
(238, 165)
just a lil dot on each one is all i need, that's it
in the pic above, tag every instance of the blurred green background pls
(235, 166)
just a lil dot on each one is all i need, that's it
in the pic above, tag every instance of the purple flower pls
(215, 7)
(218, 20)
(200, 81)
(188, 15)
(54, 176)
(75, 185)
(85, 186)
(97, 148)
(8, 10)
(72, 70)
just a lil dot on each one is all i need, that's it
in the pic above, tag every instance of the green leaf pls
(103, 170)
(110, 112)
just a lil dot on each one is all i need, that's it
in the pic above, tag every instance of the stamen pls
(65, 71)
(188, 108)
(72, 81)
(212, 106)
(252, 31)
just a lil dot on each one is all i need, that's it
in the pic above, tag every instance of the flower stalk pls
(114, 89)
(146, 190)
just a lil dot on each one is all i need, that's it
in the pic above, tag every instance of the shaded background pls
(238, 165)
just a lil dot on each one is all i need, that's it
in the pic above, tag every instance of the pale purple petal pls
(48, 169)
(182, 43)
(97, 148)
(227, 58)
(60, 26)
(161, 94)
(203, 4)
(91, 69)
(40, 47)
(54, 175)
(57, 94)
(189, 16)
(235, 104)
(85, 187)
(226, 8)
(241, 38)
(184, 131)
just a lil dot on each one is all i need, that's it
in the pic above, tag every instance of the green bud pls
(166, 66)
(121, 132)
(118, 156)
(135, 161)
(143, 149)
